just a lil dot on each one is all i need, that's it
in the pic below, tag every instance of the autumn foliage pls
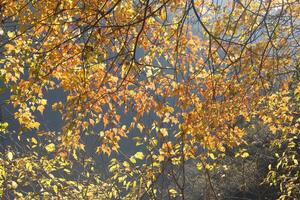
(182, 82)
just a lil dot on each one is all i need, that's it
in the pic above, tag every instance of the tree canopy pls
(180, 82)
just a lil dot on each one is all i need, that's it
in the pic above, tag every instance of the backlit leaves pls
(179, 79)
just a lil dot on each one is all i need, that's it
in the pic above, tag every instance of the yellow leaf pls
(10, 155)
(41, 108)
(161, 158)
(139, 155)
(28, 167)
(50, 147)
(212, 156)
(126, 164)
(14, 185)
(33, 140)
(44, 102)
(173, 192)
(273, 129)
(221, 148)
(134, 184)
(140, 127)
(164, 132)
(75, 155)
(9, 47)
(245, 155)
(55, 188)
(199, 166)
(33, 125)
(10, 34)
(132, 159)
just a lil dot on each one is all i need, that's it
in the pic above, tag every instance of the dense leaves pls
(179, 81)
